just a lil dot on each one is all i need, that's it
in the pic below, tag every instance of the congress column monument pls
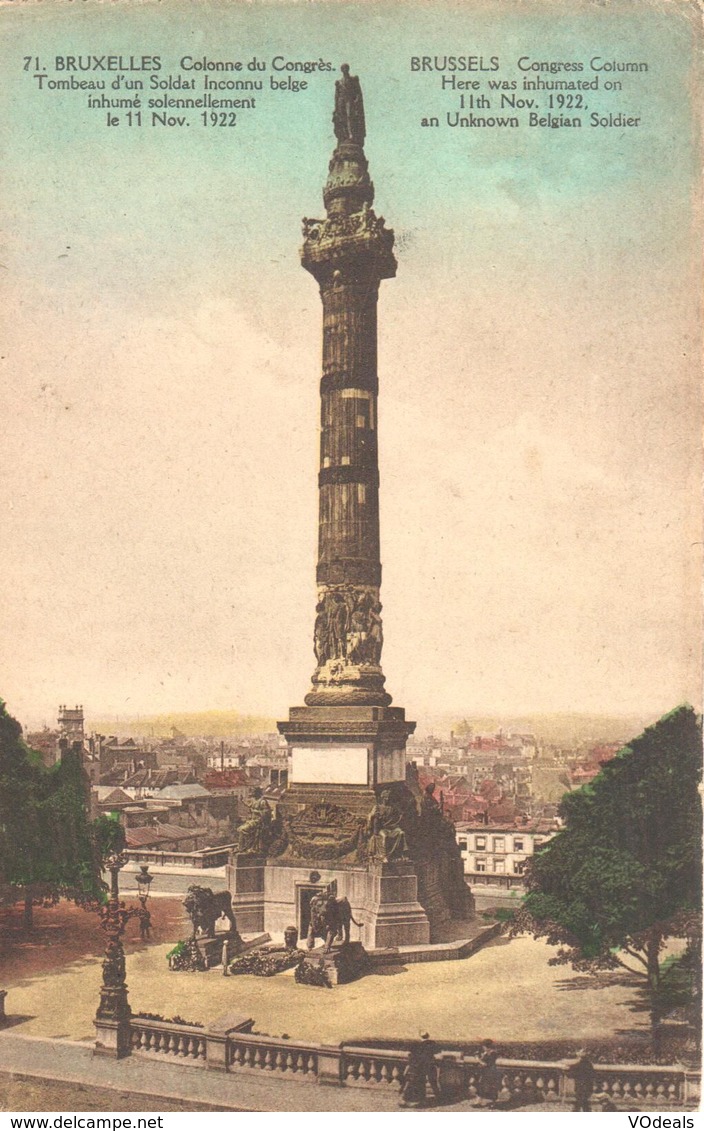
(348, 254)
(352, 815)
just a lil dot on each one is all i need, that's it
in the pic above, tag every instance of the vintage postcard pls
(351, 635)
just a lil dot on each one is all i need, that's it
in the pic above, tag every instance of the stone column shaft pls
(348, 544)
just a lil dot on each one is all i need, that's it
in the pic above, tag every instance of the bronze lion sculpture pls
(330, 919)
(204, 907)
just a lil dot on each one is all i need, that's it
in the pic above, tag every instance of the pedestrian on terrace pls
(582, 1072)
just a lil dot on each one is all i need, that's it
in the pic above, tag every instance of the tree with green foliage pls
(624, 874)
(21, 795)
(48, 845)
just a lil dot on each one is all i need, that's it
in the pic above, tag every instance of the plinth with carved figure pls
(352, 823)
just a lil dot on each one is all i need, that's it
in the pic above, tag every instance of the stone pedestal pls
(452, 1075)
(383, 898)
(343, 754)
(210, 947)
(343, 757)
(692, 1087)
(217, 1035)
(112, 1037)
(335, 967)
(395, 915)
(245, 881)
(330, 1065)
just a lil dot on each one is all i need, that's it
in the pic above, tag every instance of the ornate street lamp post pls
(144, 882)
(112, 1021)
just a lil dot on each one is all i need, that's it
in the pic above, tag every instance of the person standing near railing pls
(421, 1067)
(490, 1075)
(582, 1072)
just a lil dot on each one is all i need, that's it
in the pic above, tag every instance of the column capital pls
(348, 249)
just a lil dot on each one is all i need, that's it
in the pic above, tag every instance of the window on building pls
(480, 864)
(463, 845)
(499, 844)
(518, 867)
(480, 842)
(518, 845)
(499, 865)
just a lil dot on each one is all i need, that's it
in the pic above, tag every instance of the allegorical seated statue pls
(254, 835)
(330, 919)
(205, 906)
(387, 840)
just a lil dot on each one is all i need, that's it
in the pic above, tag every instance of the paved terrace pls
(506, 991)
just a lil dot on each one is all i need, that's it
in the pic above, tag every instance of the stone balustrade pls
(367, 1067)
(522, 1082)
(660, 1086)
(167, 1039)
(269, 1054)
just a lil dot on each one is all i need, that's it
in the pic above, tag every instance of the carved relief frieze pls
(348, 629)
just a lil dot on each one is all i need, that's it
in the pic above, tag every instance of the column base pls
(383, 899)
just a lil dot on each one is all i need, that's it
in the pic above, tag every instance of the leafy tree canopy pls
(48, 845)
(625, 872)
